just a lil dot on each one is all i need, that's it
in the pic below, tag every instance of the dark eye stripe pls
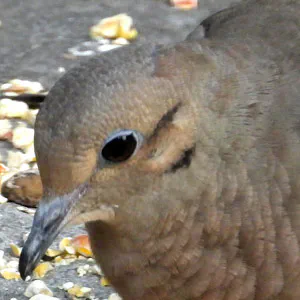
(166, 119)
(184, 161)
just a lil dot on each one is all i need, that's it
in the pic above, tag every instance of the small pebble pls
(68, 285)
(114, 296)
(102, 40)
(77, 52)
(25, 236)
(30, 211)
(15, 158)
(120, 41)
(61, 70)
(13, 264)
(105, 48)
(43, 297)
(81, 271)
(92, 260)
(95, 269)
(3, 199)
(37, 287)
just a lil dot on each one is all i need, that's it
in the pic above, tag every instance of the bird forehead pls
(93, 116)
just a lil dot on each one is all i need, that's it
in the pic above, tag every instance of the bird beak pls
(51, 217)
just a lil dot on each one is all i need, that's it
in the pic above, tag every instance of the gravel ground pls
(34, 37)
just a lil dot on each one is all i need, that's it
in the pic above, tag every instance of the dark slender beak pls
(51, 217)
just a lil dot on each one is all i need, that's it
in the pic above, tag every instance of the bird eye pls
(120, 146)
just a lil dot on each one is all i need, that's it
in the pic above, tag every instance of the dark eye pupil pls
(120, 148)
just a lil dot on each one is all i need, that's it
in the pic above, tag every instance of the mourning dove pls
(182, 161)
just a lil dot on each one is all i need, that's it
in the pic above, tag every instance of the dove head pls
(111, 141)
(111, 126)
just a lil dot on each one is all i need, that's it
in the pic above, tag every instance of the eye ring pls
(121, 145)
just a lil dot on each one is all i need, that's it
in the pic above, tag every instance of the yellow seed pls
(53, 253)
(41, 270)
(108, 30)
(75, 291)
(114, 27)
(65, 242)
(22, 137)
(58, 259)
(3, 169)
(15, 250)
(128, 35)
(84, 251)
(81, 257)
(68, 256)
(78, 291)
(125, 28)
(10, 274)
(12, 109)
(185, 4)
(82, 245)
(70, 250)
(104, 281)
